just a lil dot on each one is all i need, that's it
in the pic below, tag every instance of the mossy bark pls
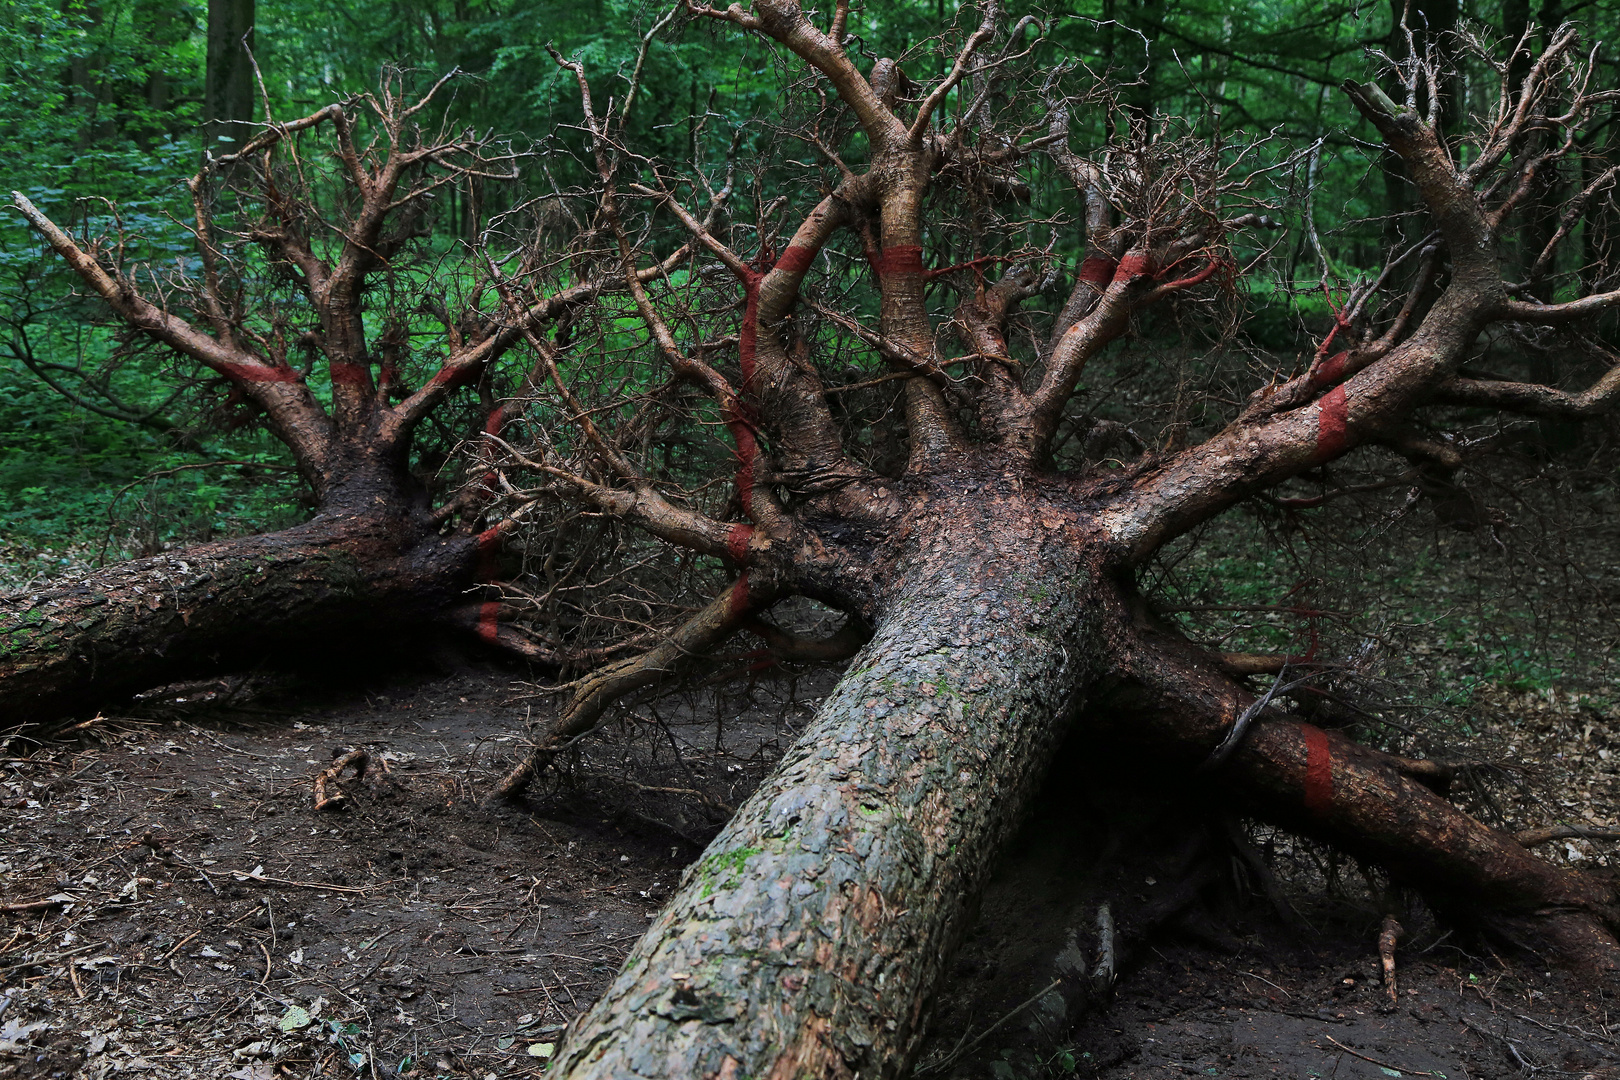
(326, 584)
(810, 936)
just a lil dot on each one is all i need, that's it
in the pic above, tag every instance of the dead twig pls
(259, 876)
(1403, 1069)
(987, 1032)
(1534, 837)
(329, 775)
(26, 906)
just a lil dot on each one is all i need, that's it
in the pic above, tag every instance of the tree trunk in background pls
(809, 938)
(228, 85)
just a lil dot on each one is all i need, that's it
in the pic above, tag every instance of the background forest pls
(105, 455)
(103, 108)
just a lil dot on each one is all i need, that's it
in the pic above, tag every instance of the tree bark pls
(364, 564)
(228, 91)
(1171, 706)
(810, 936)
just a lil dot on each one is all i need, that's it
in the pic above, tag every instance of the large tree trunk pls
(369, 561)
(228, 93)
(809, 937)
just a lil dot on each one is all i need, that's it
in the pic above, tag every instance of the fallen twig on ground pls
(357, 758)
(1403, 1069)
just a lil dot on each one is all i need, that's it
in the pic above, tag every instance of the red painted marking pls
(747, 448)
(1131, 266)
(495, 421)
(1097, 270)
(1318, 770)
(259, 373)
(1332, 369)
(748, 338)
(737, 542)
(489, 548)
(796, 259)
(347, 374)
(904, 259)
(452, 377)
(738, 603)
(1332, 423)
(489, 627)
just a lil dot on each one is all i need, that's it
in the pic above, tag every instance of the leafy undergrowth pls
(78, 489)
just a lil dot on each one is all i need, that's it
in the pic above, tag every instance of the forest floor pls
(172, 905)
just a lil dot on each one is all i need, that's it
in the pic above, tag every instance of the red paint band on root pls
(737, 542)
(1131, 266)
(1097, 270)
(1332, 423)
(489, 627)
(747, 449)
(748, 337)
(345, 374)
(737, 604)
(796, 260)
(1318, 770)
(495, 421)
(905, 259)
(259, 373)
(1332, 369)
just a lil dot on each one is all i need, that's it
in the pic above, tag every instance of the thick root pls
(1178, 704)
(359, 759)
(722, 617)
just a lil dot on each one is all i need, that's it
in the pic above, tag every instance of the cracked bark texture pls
(336, 582)
(808, 937)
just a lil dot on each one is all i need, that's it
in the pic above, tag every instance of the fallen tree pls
(346, 370)
(997, 573)
(967, 518)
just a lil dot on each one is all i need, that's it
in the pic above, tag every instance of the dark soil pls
(176, 907)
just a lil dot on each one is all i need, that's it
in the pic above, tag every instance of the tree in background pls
(228, 84)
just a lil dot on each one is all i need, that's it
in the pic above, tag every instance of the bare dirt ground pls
(174, 906)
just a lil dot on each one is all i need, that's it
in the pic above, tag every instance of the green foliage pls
(72, 481)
